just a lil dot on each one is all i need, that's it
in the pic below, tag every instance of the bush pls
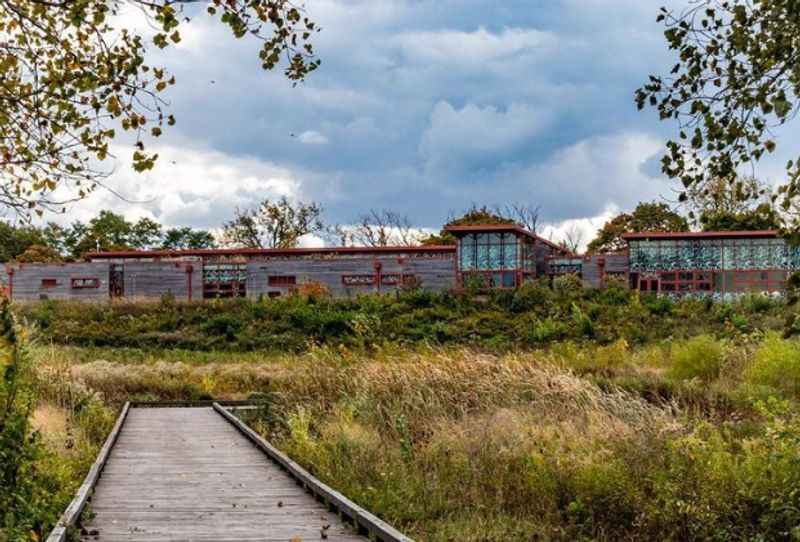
(33, 488)
(532, 314)
(776, 364)
(757, 302)
(660, 305)
(547, 330)
(699, 357)
(568, 287)
(532, 296)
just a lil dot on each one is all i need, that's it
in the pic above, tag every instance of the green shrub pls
(659, 305)
(532, 296)
(547, 330)
(776, 364)
(740, 322)
(715, 485)
(533, 314)
(699, 357)
(569, 287)
(34, 488)
(582, 321)
(757, 302)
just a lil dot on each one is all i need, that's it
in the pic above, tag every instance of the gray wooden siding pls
(430, 273)
(54, 281)
(155, 279)
(543, 251)
(614, 263)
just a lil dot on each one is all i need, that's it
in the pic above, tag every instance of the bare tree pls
(573, 239)
(525, 215)
(379, 229)
(340, 235)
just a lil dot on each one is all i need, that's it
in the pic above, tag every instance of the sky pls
(423, 107)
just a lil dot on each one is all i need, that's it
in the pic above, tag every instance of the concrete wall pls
(155, 279)
(30, 282)
(430, 273)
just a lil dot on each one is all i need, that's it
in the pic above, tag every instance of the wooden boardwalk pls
(182, 474)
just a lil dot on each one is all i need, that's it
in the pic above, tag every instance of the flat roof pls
(265, 252)
(699, 234)
(489, 227)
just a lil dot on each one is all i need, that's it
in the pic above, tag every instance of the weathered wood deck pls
(189, 474)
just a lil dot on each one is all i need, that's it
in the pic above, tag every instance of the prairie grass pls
(672, 440)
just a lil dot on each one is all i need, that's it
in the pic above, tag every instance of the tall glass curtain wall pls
(712, 254)
(735, 264)
(491, 258)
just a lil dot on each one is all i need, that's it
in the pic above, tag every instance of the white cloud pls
(595, 173)
(472, 48)
(579, 231)
(189, 186)
(312, 137)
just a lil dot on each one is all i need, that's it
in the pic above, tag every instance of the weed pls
(699, 357)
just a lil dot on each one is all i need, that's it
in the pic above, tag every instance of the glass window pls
(777, 276)
(510, 254)
(509, 279)
(495, 256)
(468, 252)
(483, 257)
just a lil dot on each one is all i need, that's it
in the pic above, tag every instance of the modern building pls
(487, 257)
(711, 262)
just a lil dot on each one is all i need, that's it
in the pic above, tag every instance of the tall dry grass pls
(574, 442)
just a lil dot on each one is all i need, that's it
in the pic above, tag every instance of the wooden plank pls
(188, 474)
(73, 511)
(197, 403)
(370, 523)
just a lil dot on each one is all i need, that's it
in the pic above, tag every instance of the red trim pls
(281, 280)
(189, 270)
(488, 276)
(471, 228)
(699, 234)
(267, 252)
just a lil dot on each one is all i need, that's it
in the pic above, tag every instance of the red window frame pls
(756, 278)
(487, 277)
(79, 283)
(686, 281)
(282, 280)
(358, 280)
(49, 283)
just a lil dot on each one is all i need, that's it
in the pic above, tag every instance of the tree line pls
(278, 223)
(281, 223)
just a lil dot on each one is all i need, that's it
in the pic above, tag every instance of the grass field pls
(681, 439)
(538, 414)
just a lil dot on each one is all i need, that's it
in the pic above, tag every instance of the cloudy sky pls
(420, 106)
